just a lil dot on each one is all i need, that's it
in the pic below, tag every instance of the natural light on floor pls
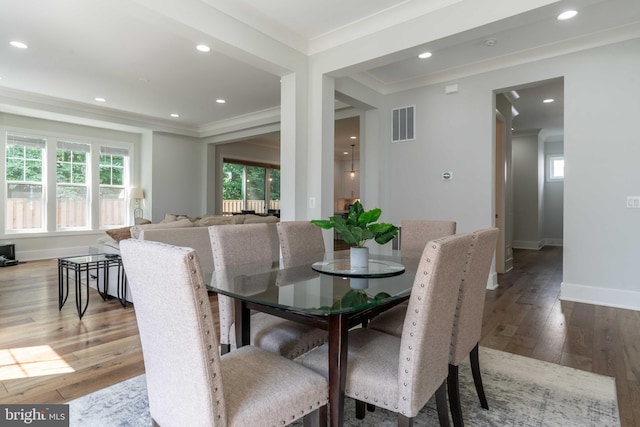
(28, 362)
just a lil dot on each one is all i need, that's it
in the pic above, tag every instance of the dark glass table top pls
(304, 290)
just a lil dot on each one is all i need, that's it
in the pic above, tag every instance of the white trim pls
(535, 245)
(607, 297)
(52, 253)
(492, 281)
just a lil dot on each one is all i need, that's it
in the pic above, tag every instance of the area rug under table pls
(521, 392)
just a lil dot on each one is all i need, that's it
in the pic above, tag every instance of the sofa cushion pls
(206, 221)
(118, 234)
(253, 219)
(135, 230)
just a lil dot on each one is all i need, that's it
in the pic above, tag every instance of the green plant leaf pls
(322, 223)
(370, 216)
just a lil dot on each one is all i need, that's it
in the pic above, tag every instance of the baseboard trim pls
(51, 253)
(492, 281)
(617, 298)
(535, 245)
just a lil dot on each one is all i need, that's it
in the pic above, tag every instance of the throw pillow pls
(118, 234)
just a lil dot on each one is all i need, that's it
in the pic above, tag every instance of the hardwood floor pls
(50, 356)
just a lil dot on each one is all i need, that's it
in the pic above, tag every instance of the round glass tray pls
(342, 267)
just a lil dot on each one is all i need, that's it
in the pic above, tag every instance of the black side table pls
(85, 264)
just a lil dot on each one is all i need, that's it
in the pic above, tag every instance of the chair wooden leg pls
(225, 348)
(371, 408)
(317, 418)
(441, 404)
(477, 378)
(404, 421)
(453, 388)
(360, 409)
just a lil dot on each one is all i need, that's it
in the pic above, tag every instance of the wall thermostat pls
(447, 176)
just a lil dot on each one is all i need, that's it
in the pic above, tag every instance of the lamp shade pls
(136, 193)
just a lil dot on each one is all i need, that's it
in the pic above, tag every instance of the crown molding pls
(49, 108)
(565, 47)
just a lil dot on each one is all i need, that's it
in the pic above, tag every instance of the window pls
(51, 183)
(25, 177)
(248, 187)
(555, 168)
(72, 186)
(113, 177)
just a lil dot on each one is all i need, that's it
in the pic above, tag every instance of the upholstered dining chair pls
(402, 373)
(237, 245)
(300, 242)
(415, 233)
(467, 326)
(188, 382)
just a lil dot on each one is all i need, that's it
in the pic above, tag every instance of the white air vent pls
(403, 120)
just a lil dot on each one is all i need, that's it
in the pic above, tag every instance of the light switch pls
(633, 201)
(312, 202)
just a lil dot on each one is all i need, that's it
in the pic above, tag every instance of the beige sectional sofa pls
(179, 231)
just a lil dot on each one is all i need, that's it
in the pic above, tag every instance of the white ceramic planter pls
(359, 257)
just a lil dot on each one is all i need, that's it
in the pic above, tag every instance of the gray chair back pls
(467, 327)
(300, 242)
(235, 245)
(177, 333)
(426, 333)
(415, 233)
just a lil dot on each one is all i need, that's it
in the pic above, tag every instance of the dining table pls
(327, 294)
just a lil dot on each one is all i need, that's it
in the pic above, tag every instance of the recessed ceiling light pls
(100, 99)
(18, 44)
(425, 55)
(345, 153)
(548, 100)
(174, 115)
(568, 14)
(221, 101)
(353, 137)
(203, 48)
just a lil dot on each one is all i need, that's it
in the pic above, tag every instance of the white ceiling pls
(146, 65)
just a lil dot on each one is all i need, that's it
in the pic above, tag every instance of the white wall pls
(178, 175)
(602, 101)
(525, 192)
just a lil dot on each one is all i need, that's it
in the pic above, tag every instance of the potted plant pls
(357, 228)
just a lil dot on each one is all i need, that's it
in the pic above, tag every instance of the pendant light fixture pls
(352, 173)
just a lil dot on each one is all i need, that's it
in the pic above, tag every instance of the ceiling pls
(146, 66)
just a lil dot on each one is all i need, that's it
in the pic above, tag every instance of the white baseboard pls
(492, 281)
(51, 253)
(618, 298)
(535, 245)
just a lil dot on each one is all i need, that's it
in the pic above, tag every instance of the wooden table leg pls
(338, 344)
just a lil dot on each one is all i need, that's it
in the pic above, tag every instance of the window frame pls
(267, 184)
(49, 170)
(551, 158)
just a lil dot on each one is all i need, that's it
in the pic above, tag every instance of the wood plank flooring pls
(50, 356)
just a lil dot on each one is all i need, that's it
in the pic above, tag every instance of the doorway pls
(529, 130)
